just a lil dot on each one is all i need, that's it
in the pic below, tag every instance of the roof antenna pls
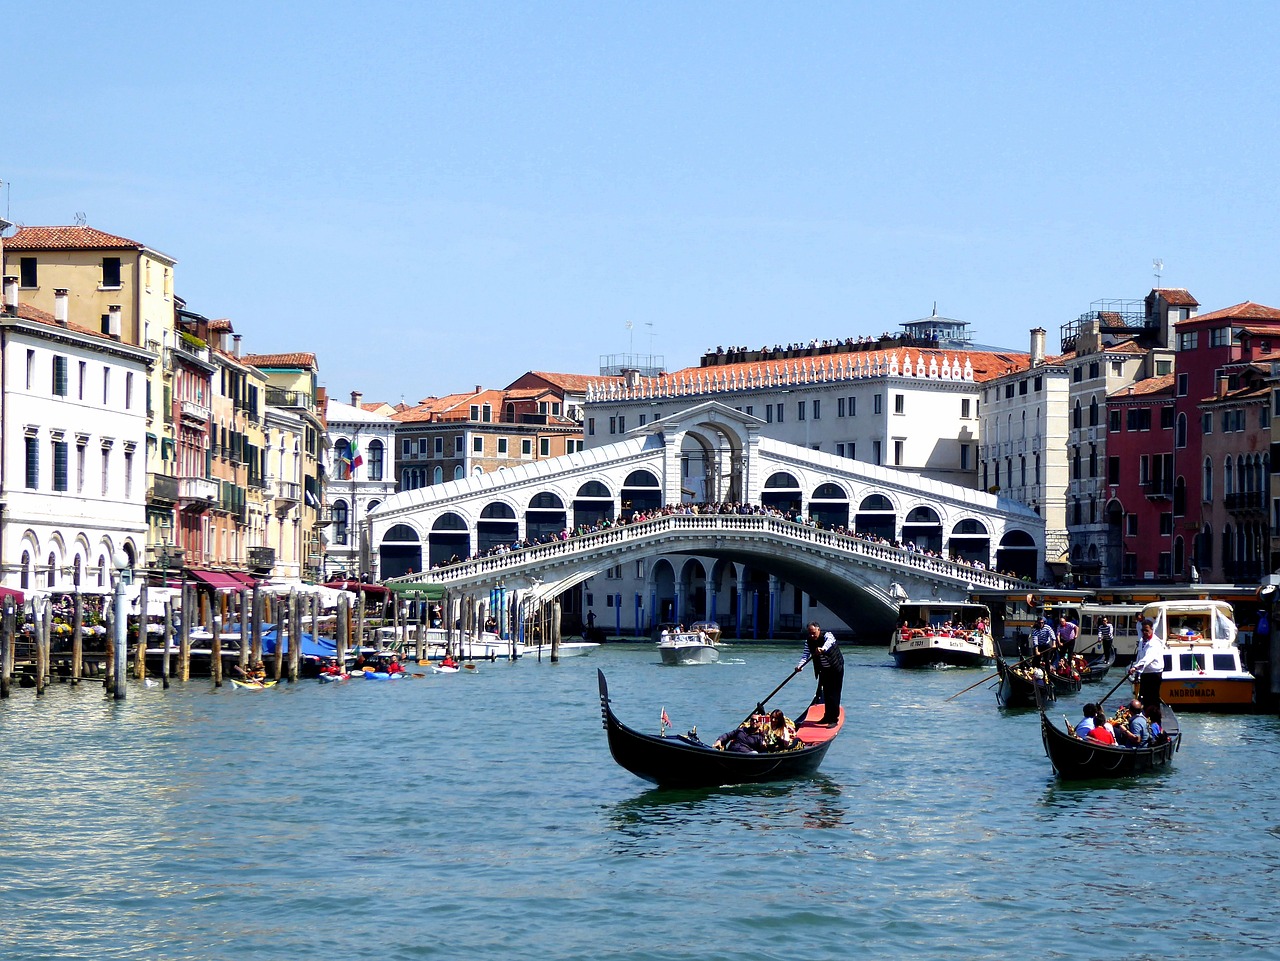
(81, 219)
(1157, 265)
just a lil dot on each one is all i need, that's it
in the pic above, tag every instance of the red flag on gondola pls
(666, 721)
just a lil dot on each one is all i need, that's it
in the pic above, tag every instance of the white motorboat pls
(694, 646)
(1202, 669)
(564, 649)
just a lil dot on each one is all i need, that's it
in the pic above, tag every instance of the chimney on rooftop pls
(1037, 347)
(356, 398)
(11, 295)
(479, 387)
(235, 345)
(1224, 385)
(60, 305)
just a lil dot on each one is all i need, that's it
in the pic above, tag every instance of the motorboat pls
(694, 646)
(1202, 667)
(938, 633)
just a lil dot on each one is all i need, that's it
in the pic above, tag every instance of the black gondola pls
(1098, 665)
(1080, 760)
(682, 761)
(1064, 683)
(1018, 690)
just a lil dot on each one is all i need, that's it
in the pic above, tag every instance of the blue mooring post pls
(617, 615)
(639, 614)
(119, 618)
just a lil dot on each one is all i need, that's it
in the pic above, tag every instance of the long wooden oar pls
(1104, 697)
(759, 708)
(972, 686)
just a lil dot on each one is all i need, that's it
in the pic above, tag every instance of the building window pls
(1131, 525)
(1113, 421)
(439, 445)
(897, 452)
(840, 406)
(591, 426)
(964, 408)
(31, 367)
(457, 444)
(60, 465)
(876, 451)
(1189, 340)
(817, 409)
(33, 462)
(526, 447)
(899, 403)
(613, 425)
(406, 448)
(877, 405)
(1113, 470)
(106, 387)
(544, 446)
(1220, 337)
(1093, 370)
(477, 444)
(128, 474)
(106, 469)
(779, 411)
(800, 405)
(110, 272)
(27, 272)
(768, 412)
(474, 412)
(622, 423)
(502, 446)
(376, 458)
(128, 391)
(59, 375)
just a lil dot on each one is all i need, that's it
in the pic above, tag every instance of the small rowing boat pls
(252, 685)
(332, 678)
(1079, 759)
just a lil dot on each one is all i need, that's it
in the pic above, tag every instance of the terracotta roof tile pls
(1245, 311)
(299, 359)
(1176, 296)
(574, 382)
(68, 238)
(222, 323)
(29, 312)
(1147, 388)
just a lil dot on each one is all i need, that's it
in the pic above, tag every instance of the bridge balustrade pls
(495, 566)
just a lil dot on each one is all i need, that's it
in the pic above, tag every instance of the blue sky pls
(436, 195)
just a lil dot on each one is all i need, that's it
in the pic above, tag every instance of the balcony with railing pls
(277, 397)
(197, 490)
(195, 411)
(1245, 502)
(163, 489)
(288, 491)
(262, 558)
(1158, 489)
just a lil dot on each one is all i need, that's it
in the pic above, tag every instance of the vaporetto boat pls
(1202, 668)
(937, 633)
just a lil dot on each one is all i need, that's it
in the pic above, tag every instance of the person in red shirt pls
(1101, 733)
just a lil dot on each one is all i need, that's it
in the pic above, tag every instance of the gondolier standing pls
(1148, 665)
(1106, 636)
(828, 665)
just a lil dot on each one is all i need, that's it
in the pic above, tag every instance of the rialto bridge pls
(499, 539)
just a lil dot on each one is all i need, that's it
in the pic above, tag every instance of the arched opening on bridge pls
(400, 552)
(876, 517)
(970, 541)
(497, 526)
(1018, 554)
(693, 592)
(663, 585)
(781, 492)
(640, 492)
(923, 528)
(711, 462)
(449, 539)
(593, 504)
(545, 518)
(723, 588)
(829, 506)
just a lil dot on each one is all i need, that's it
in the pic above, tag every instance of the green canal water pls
(480, 816)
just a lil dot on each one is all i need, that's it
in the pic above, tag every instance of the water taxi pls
(697, 645)
(1202, 669)
(935, 633)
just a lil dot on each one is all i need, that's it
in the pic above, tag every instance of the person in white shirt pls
(1148, 665)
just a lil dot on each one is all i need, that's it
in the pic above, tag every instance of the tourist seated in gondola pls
(749, 738)
(781, 734)
(1155, 717)
(1102, 731)
(1136, 730)
(1088, 721)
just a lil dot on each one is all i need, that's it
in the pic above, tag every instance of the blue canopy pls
(311, 646)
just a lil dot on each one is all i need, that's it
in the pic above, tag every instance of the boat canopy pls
(1199, 622)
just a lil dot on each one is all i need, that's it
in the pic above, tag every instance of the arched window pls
(25, 582)
(437, 476)
(1093, 412)
(458, 473)
(1181, 433)
(1228, 477)
(1207, 481)
(405, 533)
(1075, 415)
(53, 569)
(342, 460)
(341, 518)
(376, 460)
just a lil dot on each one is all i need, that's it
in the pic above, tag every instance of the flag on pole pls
(354, 457)
(666, 721)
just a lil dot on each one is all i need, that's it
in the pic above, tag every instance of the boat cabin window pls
(1225, 662)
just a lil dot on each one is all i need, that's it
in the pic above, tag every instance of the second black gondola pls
(1020, 687)
(1078, 759)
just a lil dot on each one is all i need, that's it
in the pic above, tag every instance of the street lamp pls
(119, 562)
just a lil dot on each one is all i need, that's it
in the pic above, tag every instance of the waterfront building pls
(124, 290)
(1235, 455)
(73, 484)
(293, 389)
(360, 475)
(463, 435)
(1023, 448)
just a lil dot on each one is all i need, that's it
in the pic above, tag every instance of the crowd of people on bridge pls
(735, 508)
